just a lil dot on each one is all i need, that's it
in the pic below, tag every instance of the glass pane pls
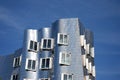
(68, 58)
(65, 39)
(49, 43)
(43, 63)
(70, 77)
(16, 77)
(29, 64)
(65, 77)
(47, 63)
(16, 62)
(33, 64)
(44, 43)
(61, 38)
(63, 58)
(31, 44)
(35, 46)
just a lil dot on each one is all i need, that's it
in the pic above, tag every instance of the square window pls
(45, 63)
(33, 46)
(17, 62)
(62, 39)
(65, 76)
(31, 64)
(47, 43)
(64, 58)
(14, 77)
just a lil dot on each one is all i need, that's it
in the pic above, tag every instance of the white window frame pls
(62, 76)
(15, 76)
(47, 48)
(50, 63)
(26, 67)
(58, 39)
(33, 46)
(67, 60)
(18, 63)
(44, 78)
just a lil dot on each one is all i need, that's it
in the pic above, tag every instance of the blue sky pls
(100, 16)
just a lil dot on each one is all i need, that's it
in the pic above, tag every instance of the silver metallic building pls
(64, 51)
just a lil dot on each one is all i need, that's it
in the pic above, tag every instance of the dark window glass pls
(47, 63)
(33, 64)
(49, 43)
(31, 44)
(35, 46)
(16, 62)
(44, 43)
(61, 38)
(29, 64)
(65, 77)
(43, 63)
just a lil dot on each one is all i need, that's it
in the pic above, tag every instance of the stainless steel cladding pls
(64, 51)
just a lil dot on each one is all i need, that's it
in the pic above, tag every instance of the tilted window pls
(14, 77)
(33, 46)
(62, 39)
(64, 58)
(45, 63)
(65, 76)
(17, 61)
(31, 64)
(47, 43)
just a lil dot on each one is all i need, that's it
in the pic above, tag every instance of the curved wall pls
(29, 34)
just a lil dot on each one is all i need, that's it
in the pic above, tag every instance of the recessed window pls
(64, 58)
(47, 43)
(45, 63)
(17, 61)
(31, 64)
(14, 77)
(67, 76)
(33, 46)
(62, 39)
(44, 79)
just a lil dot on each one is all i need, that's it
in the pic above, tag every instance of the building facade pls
(64, 51)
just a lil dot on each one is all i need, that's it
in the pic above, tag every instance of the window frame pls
(33, 46)
(17, 64)
(67, 60)
(47, 48)
(68, 74)
(50, 63)
(63, 41)
(30, 69)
